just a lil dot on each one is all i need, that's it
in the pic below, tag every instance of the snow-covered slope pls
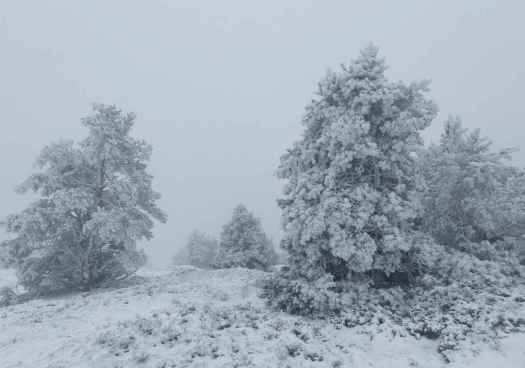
(196, 318)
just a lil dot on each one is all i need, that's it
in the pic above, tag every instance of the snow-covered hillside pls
(195, 318)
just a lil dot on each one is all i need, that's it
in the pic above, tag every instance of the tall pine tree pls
(349, 201)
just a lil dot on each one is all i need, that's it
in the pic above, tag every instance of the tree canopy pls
(95, 202)
(349, 199)
(243, 243)
(472, 193)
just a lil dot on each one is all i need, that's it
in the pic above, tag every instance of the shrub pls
(294, 295)
(459, 298)
(7, 297)
(509, 253)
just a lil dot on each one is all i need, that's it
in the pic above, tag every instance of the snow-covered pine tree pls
(95, 202)
(349, 201)
(472, 194)
(243, 243)
(201, 250)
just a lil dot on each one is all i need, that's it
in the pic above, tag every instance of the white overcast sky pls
(220, 86)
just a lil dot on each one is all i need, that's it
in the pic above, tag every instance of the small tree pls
(471, 193)
(95, 203)
(201, 250)
(243, 243)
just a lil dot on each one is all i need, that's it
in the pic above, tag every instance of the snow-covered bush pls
(285, 292)
(459, 299)
(215, 334)
(7, 296)
(95, 202)
(197, 333)
(508, 252)
(243, 243)
(325, 297)
(456, 314)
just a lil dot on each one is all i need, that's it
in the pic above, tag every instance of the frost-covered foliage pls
(213, 318)
(460, 299)
(243, 243)
(508, 253)
(457, 316)
(200, 251)
(95, 202)
(348, 205)
(472, 194)
(361, 223)
(457, 300)
(7, 296)
(287, 293)
(324, 297)
(5, 255)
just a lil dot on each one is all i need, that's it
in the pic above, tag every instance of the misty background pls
(220, 87)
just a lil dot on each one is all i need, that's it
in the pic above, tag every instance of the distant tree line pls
(243, 243)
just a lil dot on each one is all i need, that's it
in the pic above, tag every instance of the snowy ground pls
(196, 318)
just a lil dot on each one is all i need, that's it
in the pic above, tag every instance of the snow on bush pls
(286, 293)
(239, 335)
(459, 300)
(7, 296)
(456, 300)
(228, 332)
(200, 318)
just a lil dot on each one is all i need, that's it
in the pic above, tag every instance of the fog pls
(220, 87)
